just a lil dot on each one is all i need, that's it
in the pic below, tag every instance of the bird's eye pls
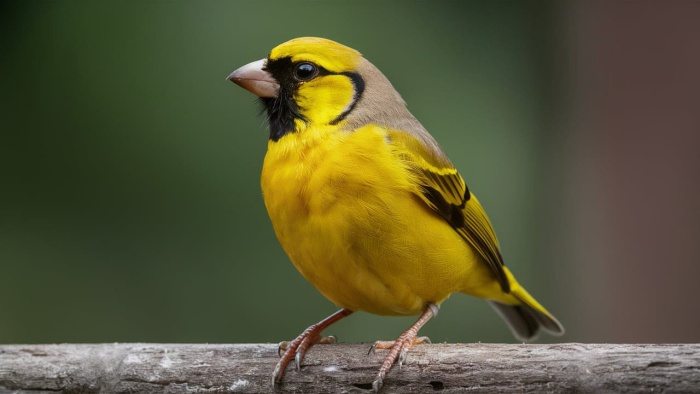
(305, 71)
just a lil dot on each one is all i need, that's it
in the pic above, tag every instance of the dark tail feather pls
(521, 322)
(525, 321)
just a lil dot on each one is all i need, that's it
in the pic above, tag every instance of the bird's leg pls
(297, 348)
(404, 342)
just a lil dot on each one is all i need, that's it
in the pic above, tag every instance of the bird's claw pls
(371, 349)
(282, 347)
(377, 385)
(276, 377)
(297, 359)
(403, 355)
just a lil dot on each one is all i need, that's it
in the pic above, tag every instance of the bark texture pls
(247, 368)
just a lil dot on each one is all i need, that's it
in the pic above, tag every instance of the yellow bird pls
(365, 203)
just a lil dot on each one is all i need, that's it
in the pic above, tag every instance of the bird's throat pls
(281, 111)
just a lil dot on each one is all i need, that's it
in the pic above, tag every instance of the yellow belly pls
(344, 209)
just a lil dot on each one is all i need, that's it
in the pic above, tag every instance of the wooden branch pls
(343, 368)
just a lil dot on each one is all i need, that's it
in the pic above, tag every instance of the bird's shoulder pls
(442, 188)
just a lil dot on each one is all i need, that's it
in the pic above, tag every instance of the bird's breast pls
(322, 185)
(343, 208)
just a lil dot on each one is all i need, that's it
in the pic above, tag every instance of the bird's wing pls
(442, 188)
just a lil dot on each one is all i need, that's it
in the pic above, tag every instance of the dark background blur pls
(130, 208)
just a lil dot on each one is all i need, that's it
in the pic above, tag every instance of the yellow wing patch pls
(444, 190)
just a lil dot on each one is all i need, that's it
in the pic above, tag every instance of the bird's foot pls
(329, 340)
(399, 348)
(297, 348)
(383, 345)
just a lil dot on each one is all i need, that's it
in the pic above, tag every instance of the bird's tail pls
(525, 315)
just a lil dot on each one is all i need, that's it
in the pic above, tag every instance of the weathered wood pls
(343, 368)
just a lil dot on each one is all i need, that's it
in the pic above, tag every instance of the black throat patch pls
(282, 110)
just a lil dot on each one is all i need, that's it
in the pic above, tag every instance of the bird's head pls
(316, 81)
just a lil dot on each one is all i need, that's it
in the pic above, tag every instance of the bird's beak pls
(254, 79)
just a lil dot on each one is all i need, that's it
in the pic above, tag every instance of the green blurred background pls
(130, 206)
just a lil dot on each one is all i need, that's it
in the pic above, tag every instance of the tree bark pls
(247, 368)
